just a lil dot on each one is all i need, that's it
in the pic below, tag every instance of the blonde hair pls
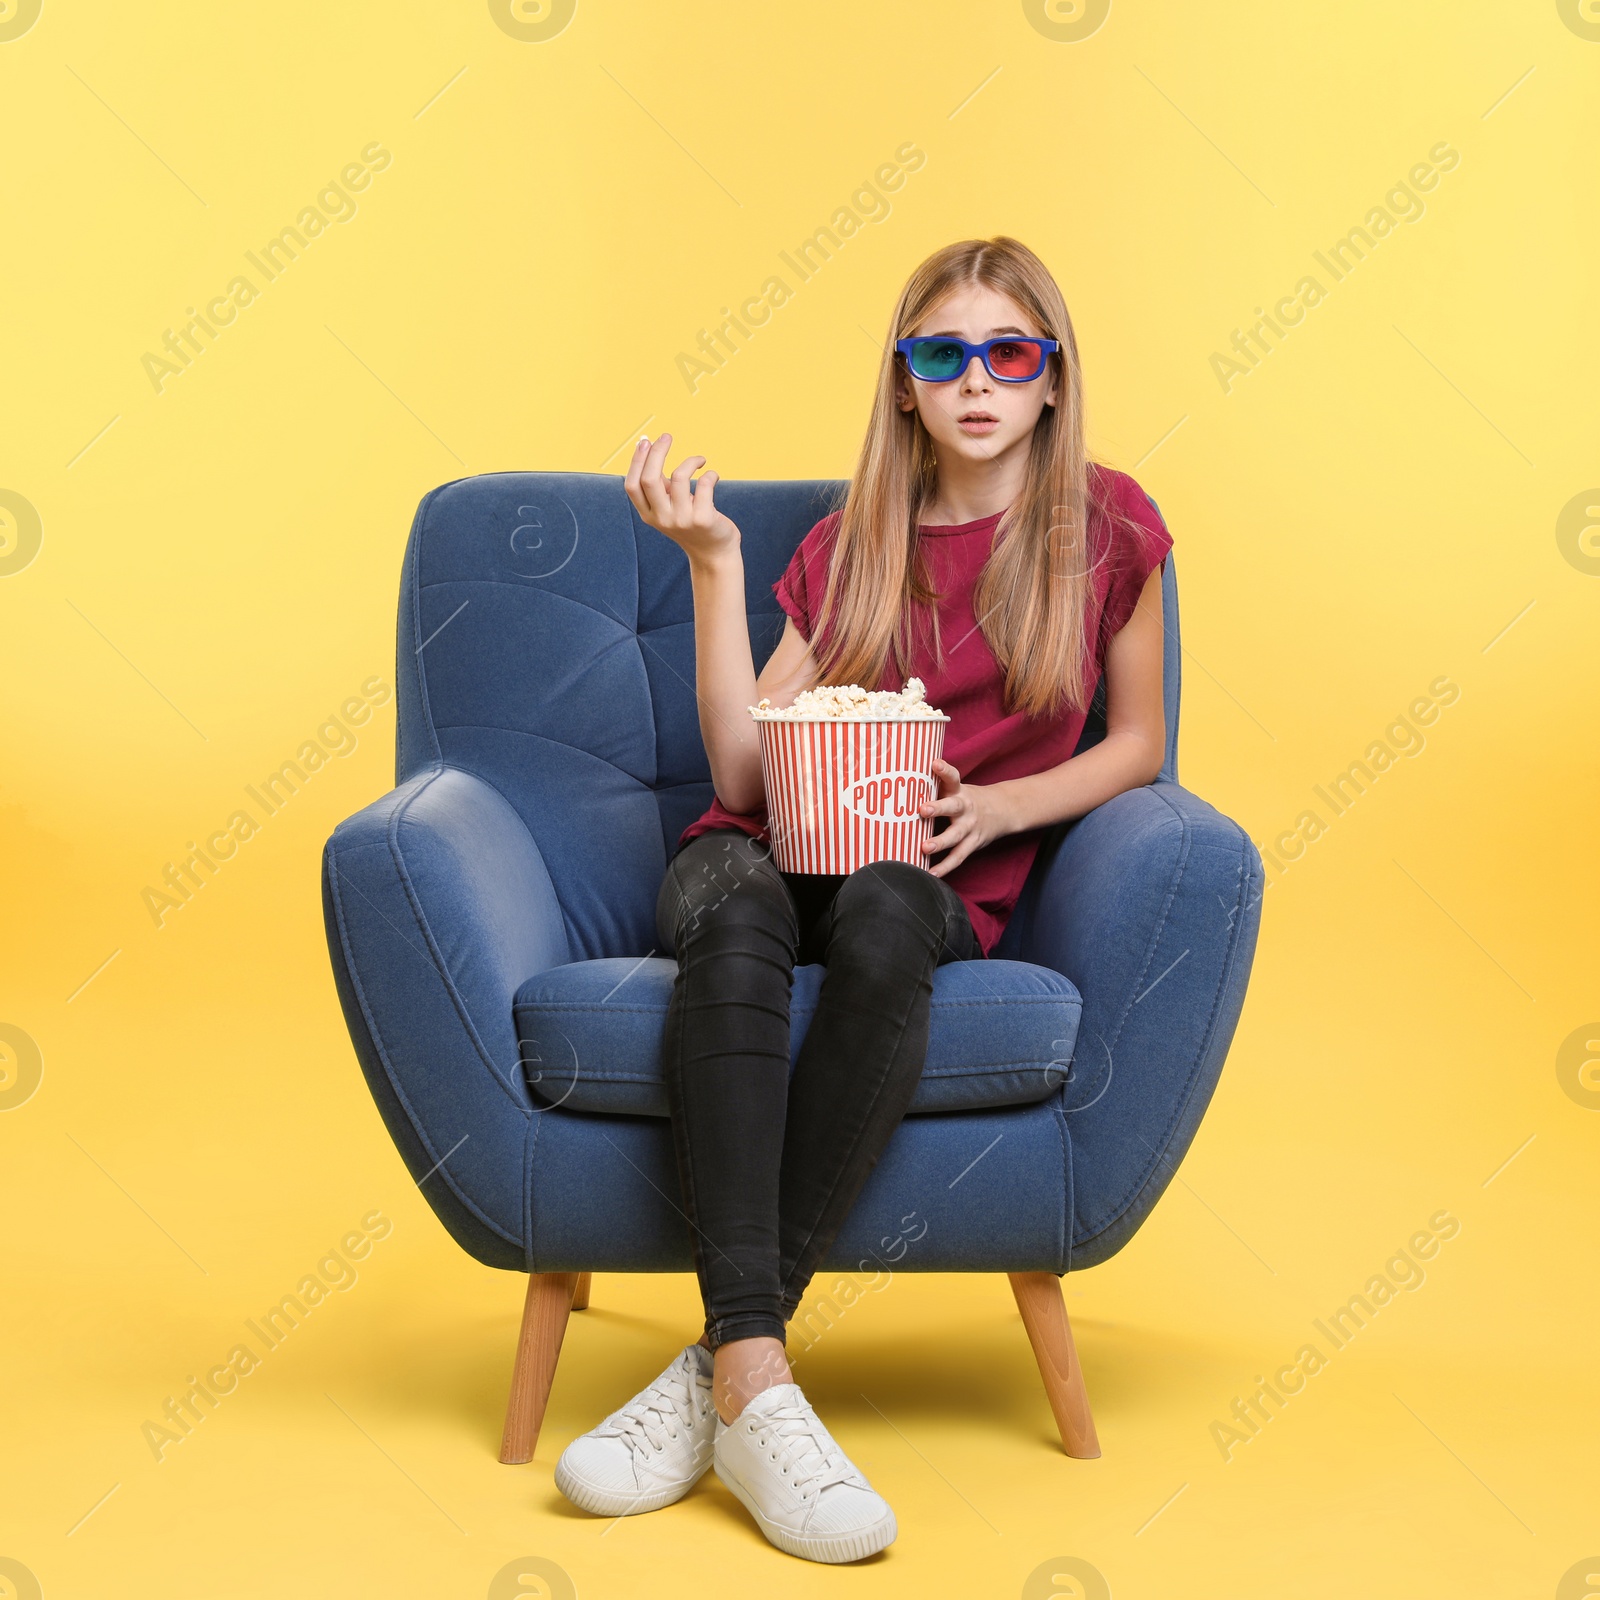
(1031, 597)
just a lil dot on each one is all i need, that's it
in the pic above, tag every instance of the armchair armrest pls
(1151, 905)
(437, 905)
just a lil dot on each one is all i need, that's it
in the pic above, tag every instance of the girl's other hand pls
(689, 518)
(976, 815)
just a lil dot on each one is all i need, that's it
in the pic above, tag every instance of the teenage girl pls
(982, 551)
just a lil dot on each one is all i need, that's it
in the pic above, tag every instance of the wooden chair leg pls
(1044, 1315)
(580, 1295)
(544, 1321)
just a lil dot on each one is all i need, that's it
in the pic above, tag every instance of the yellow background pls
(1368, 509)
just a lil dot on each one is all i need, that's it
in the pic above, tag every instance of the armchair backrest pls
(546, 644)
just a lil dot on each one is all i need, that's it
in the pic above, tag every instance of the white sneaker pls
(651, 1452)
(789, 1473)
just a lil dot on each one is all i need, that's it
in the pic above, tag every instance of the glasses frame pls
(980, 350)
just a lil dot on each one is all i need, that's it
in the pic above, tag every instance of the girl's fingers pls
(704, 505)
(650, 484)
(678, 489)
(630, 482)
(954, 834)
(959, 841)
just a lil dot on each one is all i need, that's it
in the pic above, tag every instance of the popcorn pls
(850, 702)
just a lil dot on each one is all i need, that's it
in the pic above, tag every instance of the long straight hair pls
(1031, 598)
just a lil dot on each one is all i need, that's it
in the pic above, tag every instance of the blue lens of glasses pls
(937, 358)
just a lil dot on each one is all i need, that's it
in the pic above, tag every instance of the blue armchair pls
(491, 927)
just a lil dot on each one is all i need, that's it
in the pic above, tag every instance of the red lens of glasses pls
(1016, 358)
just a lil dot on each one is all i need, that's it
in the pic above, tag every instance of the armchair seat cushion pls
(1002, 1034)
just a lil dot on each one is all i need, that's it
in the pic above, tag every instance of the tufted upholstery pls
(595, 742)
(549, 754)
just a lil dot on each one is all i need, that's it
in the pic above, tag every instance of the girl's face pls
(974, 417)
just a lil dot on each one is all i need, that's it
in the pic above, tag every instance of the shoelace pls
(812, 1459)
(652, 1417)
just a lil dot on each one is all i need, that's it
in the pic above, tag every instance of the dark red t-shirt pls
(982, 741)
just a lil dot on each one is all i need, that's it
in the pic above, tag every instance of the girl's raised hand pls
(689, 518)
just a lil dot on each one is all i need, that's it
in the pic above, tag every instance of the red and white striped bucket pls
(844, 791)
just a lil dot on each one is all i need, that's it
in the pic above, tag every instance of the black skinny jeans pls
(769, 1168)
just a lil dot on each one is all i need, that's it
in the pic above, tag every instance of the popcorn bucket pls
(844, 791)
